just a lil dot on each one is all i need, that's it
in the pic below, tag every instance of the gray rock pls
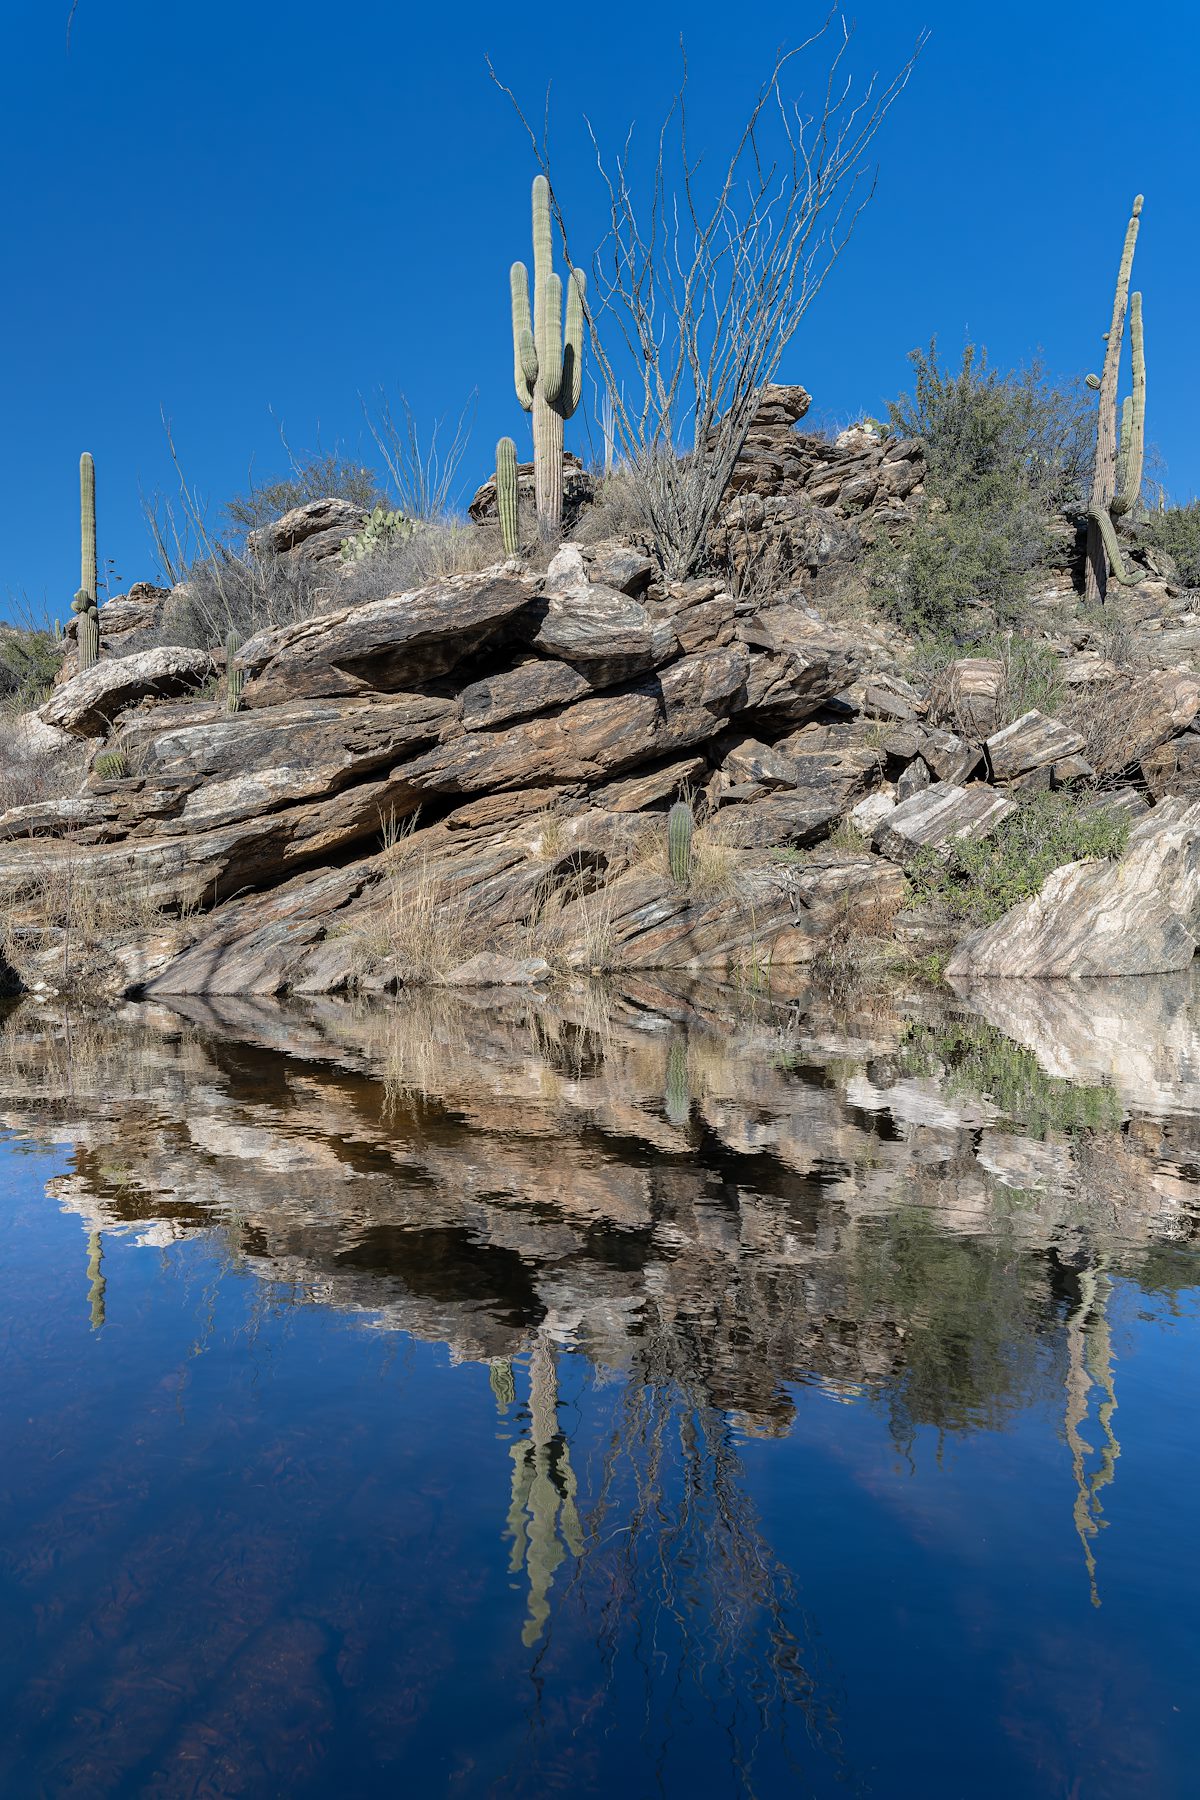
(88, 703)
(935, 818)
(948, 756)
(489, 970)
(1031, 742)
(331, 521)
(914, 780)
(796, 818)
(1135, 916)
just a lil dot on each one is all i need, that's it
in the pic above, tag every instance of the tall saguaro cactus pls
(86, 602)
(1117, 479)
(547, 364)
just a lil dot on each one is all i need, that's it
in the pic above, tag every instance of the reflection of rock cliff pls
(888, 1206)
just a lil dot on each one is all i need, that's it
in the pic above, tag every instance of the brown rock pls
(386, 645)
(1031, 742)
(935, 818)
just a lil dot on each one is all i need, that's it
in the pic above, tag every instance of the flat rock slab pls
(605, 633)
(88, 703)
(798, 817)
(934, 818)
(489, 970)
(532, 687)
(595, 738)
(389, 644)
(1033, 741)
(1135, 916)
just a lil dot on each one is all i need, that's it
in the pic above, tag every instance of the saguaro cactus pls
(1118, 473)
(507, 494)
(680, 824)
(86, 602)
(235, 678)
(547, 366)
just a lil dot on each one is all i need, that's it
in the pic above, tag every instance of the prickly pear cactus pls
(547, 358)
(680, 825)
(382, 531)
(507, 494)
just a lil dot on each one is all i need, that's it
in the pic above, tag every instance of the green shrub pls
(1005, 452)
(979, 882)
(1177, 531)
(316, 477)
(29, 661)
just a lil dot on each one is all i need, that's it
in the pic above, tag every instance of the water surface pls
(662, 1391)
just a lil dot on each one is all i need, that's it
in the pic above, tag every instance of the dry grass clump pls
(60, 921)
(1105, 714)
(31, 775)
(616, 511)
(422, 927)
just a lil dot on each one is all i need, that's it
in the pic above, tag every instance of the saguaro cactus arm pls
(1133, 421)
(1104, 480)
(525, 362)
(572, 381)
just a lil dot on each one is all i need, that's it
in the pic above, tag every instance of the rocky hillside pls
(469, 782)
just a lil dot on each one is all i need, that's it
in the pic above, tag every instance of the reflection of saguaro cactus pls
(95, 1269)
(507, 494)
(1117, 478)
(1089, 1364)
(500, 1379)
(678, 1092)
(86, 602)
(543, 1520)
(548, 366)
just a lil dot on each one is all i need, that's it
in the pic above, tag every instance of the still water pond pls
(655, 1392)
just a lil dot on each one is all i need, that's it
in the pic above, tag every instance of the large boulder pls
(1136, 916)
(937, 816)
(316, 530)
(394, 643)
(88, 703)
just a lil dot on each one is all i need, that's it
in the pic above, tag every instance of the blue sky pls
(240, 214)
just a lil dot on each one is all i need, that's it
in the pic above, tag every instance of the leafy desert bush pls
(317, 476)
(1176, 529)
(1005, 452)
(979, 882)
(29, 661)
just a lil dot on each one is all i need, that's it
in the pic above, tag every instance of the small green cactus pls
(547, 358)
(235, 678)
(681, 823)
(507, 493)
(111, 765)
(86, 602)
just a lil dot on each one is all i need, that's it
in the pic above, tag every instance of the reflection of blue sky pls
(222, 1516)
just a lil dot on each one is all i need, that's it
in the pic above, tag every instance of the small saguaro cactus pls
(1117, 480)
(680, 825)
(235, 678)
(86, 602)
(507, 494)
(547, 365)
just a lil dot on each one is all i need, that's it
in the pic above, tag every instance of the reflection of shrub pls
(1177, 531)
(979, 1060)
(979, 882)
